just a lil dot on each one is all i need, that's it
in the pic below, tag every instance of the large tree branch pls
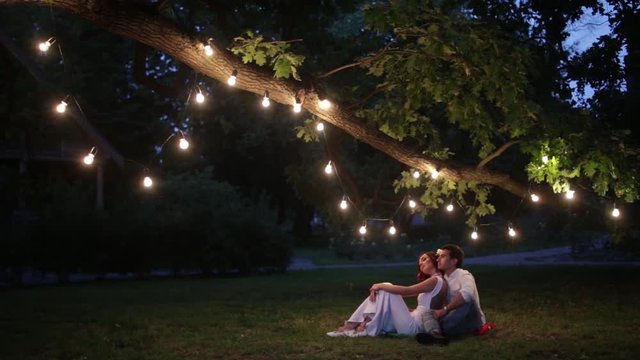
(497, 153)
(148, 28)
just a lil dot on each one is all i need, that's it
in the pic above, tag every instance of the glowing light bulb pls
(297, 105)
(434, 174)
(320, 126)
(265, 101)
(569, 194)
(324, 104)
(363, 229)
(199, 97)
(474, 235)
(232, 79)
(88, 160)
(412, 204)
(535, 198)
(45, 45)
(392, 230)
(450, 207)
(208, 50)
(416, 174)
(183, 144)
(61, 107)
(512, 232)
(329, 168)
(147, 182)
(615, 212)
(343, 204)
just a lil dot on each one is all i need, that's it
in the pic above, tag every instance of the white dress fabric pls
(389, 313)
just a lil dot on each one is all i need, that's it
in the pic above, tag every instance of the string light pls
(569, 194)
(329, 168)
(265, 100)
(343, 203)
(392, 229)
(45, 45)
(615, 212)
(324, 104)
(61, 107)
(232, 78)
(200, 97)
(297, 105)
(90, 157)
(363, 229)
(183, 143)
(208, 49)
(147, 182)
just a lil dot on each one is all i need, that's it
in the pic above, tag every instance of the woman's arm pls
(412, 290)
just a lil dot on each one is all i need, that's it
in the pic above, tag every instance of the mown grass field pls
(540, 312)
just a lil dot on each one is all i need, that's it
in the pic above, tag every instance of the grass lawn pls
(540, 312)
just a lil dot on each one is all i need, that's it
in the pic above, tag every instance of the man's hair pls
(455, 252)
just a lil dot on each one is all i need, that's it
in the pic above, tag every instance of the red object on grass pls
(485, 328)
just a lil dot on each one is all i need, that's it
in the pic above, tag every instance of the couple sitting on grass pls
(446, 307)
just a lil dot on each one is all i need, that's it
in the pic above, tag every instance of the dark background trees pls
(431, 85)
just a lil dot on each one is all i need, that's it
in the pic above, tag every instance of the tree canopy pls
(475, 91)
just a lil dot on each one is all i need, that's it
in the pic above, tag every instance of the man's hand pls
(439, 313)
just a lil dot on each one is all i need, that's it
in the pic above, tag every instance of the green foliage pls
(308, 132)
(437, 70)
(254, 49)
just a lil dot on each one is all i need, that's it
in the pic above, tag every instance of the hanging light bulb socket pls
(328, 169)
(46, 45)
(90, 157)
(147, 182)
(208, 48)
(324, 104)
(297, 105)
(61, 108)
(392, 229)
(233, 78)
(343, 203)
(363, 229)
(265, 99)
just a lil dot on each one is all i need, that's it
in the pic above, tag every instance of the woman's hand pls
(372, 295)
(374, 291)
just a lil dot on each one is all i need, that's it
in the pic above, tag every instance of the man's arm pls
(467, 289)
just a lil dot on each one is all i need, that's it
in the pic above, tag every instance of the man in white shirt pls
(462, 314)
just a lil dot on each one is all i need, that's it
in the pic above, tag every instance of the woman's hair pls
(420, 276)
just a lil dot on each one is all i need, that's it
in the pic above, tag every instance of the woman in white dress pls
(384, 311)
